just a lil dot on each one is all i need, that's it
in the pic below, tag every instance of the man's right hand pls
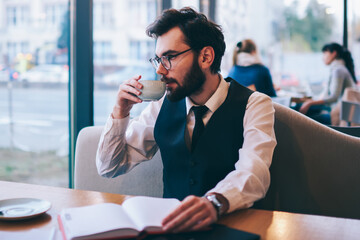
(127, 97)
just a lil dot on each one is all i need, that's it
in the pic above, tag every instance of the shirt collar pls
(215, 101)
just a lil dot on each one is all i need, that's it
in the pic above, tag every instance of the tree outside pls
(307, 31)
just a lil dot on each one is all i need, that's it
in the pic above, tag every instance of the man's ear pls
(206, 57)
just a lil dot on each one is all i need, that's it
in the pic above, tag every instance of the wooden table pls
(268, 224)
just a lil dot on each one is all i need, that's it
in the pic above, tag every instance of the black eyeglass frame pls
(157, 60)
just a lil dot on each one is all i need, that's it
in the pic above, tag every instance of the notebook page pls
(149, 211)
(88, 220)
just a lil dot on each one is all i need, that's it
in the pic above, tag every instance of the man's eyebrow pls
(168, 52)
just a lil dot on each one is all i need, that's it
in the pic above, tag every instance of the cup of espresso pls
(152, 90)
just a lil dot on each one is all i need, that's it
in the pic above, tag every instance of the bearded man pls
(216, 138)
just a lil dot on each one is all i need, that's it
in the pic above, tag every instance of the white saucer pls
(22, 208)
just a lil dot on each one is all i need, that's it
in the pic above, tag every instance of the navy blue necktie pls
(199, 124)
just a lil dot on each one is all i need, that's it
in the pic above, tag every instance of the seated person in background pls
(342, 75)
(249, 71)
(222, 169)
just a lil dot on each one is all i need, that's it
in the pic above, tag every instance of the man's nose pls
(161, 70)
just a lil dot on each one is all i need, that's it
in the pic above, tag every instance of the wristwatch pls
(216, 203)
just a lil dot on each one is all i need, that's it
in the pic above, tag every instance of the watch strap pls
(216, 203)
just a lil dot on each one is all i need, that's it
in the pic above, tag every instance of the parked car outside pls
(46, 73)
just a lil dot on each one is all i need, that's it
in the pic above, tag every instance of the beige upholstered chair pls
(145, 179)
(315, 169)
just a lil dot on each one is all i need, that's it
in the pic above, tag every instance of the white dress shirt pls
(124, 143)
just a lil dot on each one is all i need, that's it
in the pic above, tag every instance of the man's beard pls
(192, 83)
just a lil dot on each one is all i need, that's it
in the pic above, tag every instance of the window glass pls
(354, 34)
(121, 50)
(103, 14)
(34, 73)
(17, 16)
(54, 14)
(177, 4)
(289, 36)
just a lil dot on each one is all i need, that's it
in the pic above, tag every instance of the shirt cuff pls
(235, 199)
(117, 126)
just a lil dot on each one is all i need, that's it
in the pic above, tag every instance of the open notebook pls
(108, 220)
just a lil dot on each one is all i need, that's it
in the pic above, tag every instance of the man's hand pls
(127, 97)
(193, 214)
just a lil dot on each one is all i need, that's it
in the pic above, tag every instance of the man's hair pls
(199, 32)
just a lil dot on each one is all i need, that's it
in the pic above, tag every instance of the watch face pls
(215, 202)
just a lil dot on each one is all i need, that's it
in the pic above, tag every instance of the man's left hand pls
(193, 214)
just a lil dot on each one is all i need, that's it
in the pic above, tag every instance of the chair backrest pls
(315, 169)
(350, 112)
(352, 131)
(145, 179)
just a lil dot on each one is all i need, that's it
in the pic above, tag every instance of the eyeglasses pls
(165, 60)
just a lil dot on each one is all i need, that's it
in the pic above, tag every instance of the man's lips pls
(168, 82)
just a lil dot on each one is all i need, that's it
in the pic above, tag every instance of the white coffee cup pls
(152, 90)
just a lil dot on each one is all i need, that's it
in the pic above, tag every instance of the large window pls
(289, 35)
(127, 45)
(34, 92)
(34, 43)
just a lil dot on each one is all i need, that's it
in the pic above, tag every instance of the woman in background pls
(342, 75)
(249, 71)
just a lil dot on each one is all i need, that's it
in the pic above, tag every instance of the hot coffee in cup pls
(152, 90)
